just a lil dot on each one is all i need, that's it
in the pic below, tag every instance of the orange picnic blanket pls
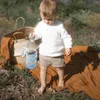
(6, 47)
(81, 73)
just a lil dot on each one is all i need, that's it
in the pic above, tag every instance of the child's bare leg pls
(60, 72)
(43, 71)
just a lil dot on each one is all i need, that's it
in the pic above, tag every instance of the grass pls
(16, 84)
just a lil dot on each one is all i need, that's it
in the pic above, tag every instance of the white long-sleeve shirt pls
(54, 38)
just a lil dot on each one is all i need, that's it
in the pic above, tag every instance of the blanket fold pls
(6, 47)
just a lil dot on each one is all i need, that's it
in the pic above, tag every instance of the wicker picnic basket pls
(21, 35)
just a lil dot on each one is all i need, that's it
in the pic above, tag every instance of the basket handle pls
(16, 34)
(16, 23)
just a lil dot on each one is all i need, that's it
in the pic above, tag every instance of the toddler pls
(55, 41)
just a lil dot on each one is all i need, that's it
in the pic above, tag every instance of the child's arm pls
(36, 34)
(67, 40)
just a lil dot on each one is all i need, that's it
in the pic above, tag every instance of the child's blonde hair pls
(48, 8)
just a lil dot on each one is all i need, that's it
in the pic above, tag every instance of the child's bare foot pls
(61, 83)
(41, 89)
(60, 86)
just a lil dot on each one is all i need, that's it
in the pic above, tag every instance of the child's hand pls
(31, 37)
(67, 51)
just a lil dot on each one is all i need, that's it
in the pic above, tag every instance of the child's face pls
(47, 20)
